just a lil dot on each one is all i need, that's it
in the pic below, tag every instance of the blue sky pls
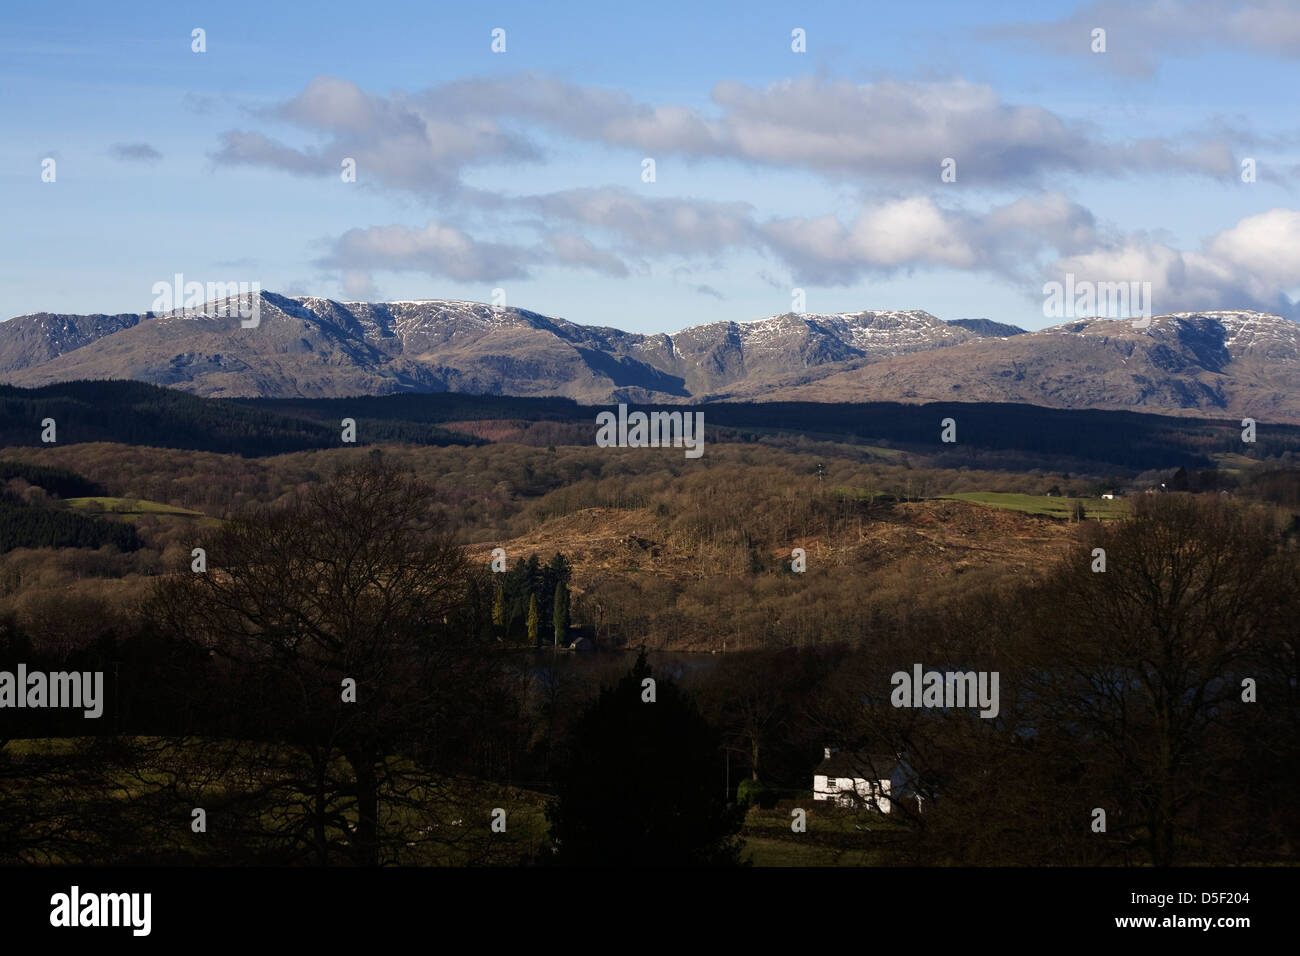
(774, 170)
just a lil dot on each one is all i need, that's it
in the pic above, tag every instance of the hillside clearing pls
(1048, 505)
(131, 508)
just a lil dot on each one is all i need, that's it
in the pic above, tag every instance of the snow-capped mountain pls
(1215, 363)
(312, 346)
(1224, 363)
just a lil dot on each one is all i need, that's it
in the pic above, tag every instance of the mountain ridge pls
(1222, 362)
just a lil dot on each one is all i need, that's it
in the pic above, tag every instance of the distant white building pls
(860, 780)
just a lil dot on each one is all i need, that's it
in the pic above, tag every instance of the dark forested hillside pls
(987, 435)
(24, 526)
(135, 413)
(56, 481)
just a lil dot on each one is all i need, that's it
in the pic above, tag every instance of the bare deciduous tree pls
(346, 620)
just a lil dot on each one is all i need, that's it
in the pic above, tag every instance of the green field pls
(460, 808)
(132, 508)
(832, 838)
(1050, 506)
(1234, 464)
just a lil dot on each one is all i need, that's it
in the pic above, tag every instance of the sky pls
(654, 166)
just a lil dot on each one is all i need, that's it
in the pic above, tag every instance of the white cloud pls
(135, 152)
(652, 225)
(916, 232)
(571, 250)
(1255, 264)
(444, 251)
(1265, 246)
(1140, 32)
(358, 286)
(436, 249)
(397, 141)
(890, 130)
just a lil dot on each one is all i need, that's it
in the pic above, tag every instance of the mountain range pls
(1229, 363)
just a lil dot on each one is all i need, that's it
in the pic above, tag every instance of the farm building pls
(861, 779)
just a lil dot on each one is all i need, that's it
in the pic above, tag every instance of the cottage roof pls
(855, 765)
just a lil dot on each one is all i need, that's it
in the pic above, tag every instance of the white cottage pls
(860, 779)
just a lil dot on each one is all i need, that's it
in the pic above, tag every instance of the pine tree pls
(534, 572)
(638, 784)
(534, 621)
(517, 590)
(561, 619)
(559, 568)
(499, 607)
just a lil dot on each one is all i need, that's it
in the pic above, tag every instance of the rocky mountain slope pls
(1215, 363)
(313, 347)
(1222, 363)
